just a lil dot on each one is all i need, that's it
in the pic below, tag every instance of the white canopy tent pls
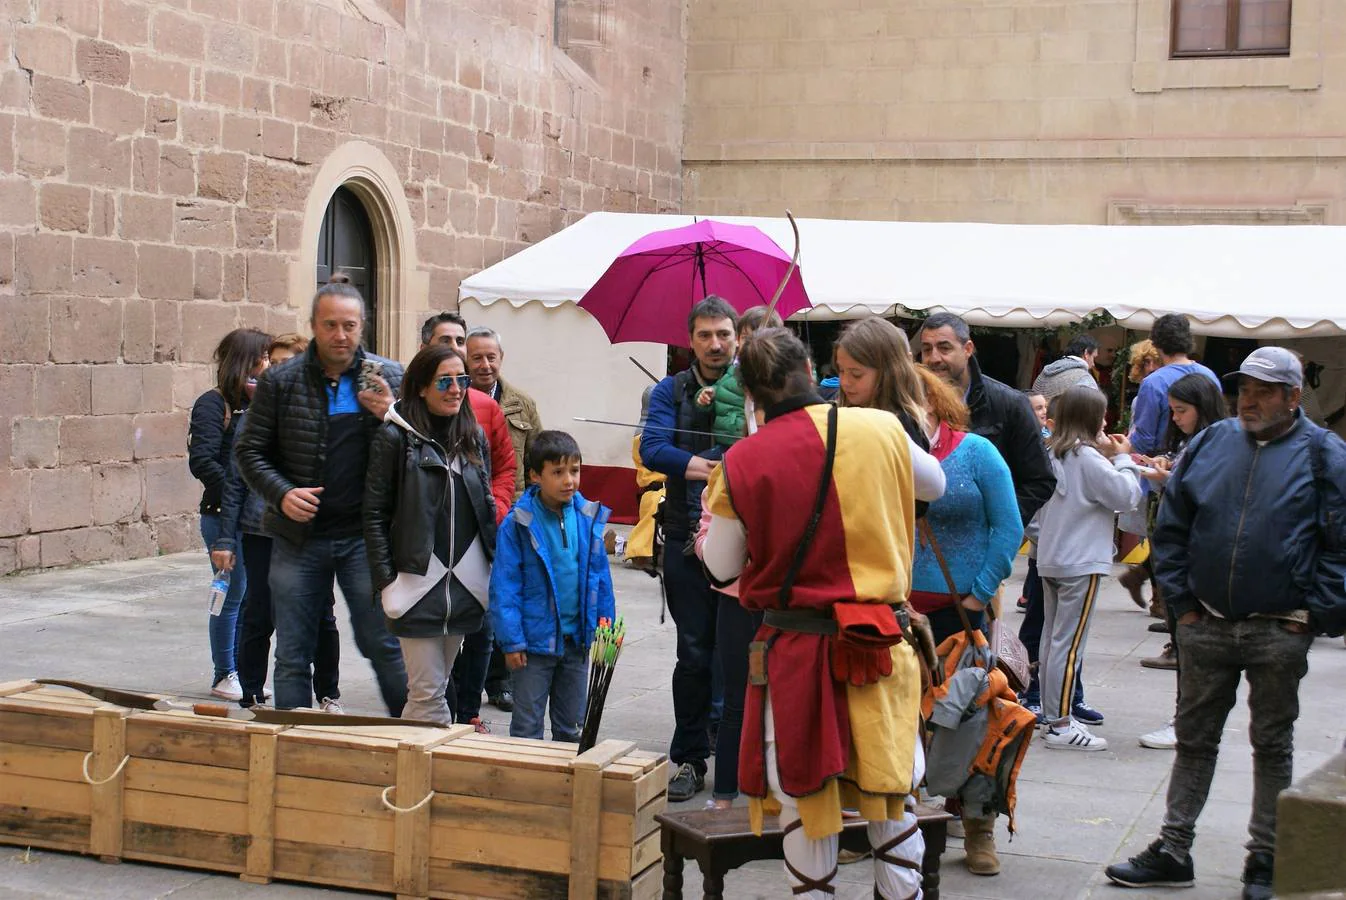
(1264, 282)
(1233, 281)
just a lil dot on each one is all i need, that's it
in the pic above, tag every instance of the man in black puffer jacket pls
(305, 450)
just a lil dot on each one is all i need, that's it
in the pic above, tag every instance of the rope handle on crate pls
(404, 809)
(115, 772)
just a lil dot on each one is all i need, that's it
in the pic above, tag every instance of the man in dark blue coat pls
(1248, 552)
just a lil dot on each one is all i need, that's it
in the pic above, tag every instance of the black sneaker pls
(1086, 714)
(503, 701)
(685, 784)
(1152, 867)
(1257, 872)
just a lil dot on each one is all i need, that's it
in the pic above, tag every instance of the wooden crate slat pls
(537, 854)
(28, 826)
(337, 797)
(191, 848)
(107, 771)
(261, 807)
(17, 687)
(494, 781)
(514, 817)
(60, 729)
(41, 762)
(351, 868)
(187, 780)
(45, 793)
(332, 763)
(192, 813)
(350, 832)
(186, 739)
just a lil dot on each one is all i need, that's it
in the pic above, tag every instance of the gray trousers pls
(429, 663)
(1215, 652)
(1067, 607)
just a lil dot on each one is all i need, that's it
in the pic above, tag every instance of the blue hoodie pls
(524, 608)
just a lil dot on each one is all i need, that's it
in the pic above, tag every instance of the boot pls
(979, 845)
(1158, 608)
(1132, 579)
(1168, 659)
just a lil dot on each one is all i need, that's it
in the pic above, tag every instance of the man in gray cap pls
(1250, 553)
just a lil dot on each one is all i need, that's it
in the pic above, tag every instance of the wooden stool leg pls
(672, 868)
(936, 837)
(712, 885)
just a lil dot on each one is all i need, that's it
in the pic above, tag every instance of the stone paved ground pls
(142, 625)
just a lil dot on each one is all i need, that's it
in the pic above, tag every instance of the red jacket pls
(503, 466)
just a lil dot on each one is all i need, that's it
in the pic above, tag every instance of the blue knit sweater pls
(976, 523)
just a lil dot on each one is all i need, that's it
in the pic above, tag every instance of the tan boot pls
(979, 845)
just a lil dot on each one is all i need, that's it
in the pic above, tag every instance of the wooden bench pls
(721, 840)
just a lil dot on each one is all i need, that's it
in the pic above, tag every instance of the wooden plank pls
(508, 818)
(261, 806)
(41, 762)
(584, 811)
(108, 772)
(538, 854)
(195, 813)
(648, 885)
(28, 826)
(44, 793)
(187, 780)
(337, 797)
(411, 825)
(514, 761)
(8, 688)
(333, 763)
(353, 868)
(40, 727)
(192, 848)
(350, 832)
(190, 739)
(463, 880)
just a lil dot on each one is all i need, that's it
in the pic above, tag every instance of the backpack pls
(978, 734)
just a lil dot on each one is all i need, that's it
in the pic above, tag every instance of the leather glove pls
(858, 666)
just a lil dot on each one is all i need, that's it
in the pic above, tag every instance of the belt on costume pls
(820, 621)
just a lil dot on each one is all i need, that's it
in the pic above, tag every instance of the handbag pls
(1007, 651)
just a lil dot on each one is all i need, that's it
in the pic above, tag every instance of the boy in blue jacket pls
(550, 585)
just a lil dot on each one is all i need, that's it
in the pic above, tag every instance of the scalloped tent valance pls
(1239, 281)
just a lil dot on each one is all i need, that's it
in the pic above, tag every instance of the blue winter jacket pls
(1247, 529)
(523, 589)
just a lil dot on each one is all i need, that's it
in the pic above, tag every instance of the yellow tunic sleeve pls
(716, 498)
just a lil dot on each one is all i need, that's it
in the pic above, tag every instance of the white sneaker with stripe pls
(1072, 736)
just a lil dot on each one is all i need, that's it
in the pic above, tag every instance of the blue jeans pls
(301, 585)
(563, 680)
(224, 628)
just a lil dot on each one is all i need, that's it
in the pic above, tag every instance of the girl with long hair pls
(1095, 479)
(875, 367)
(978, 528)
(429, 524)
(240, 357)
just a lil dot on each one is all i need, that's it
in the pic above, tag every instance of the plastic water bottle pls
(219, 589)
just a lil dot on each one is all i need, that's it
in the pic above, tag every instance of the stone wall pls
(1007, 111)
(157, 166)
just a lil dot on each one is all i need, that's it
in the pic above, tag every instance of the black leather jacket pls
(404, 494)
(1004, 417)
(283, 443)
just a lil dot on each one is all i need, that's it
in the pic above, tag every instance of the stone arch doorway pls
(362, 174)
(346, 244)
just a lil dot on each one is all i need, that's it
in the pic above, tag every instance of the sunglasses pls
(444, 382)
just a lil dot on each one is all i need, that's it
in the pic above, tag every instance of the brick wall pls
(155, 163)
(1002, 110)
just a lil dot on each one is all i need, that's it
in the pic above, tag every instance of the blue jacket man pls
(1249, 552)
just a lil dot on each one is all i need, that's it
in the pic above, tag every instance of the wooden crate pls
(417, 812)
(520, 818)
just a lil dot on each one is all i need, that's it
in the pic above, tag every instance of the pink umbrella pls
(647, 292)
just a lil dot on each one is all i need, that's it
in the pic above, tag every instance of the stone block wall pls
(156, 163)
(1005, 111)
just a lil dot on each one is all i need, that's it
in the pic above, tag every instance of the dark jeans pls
(734, 630)
(694, 606)
(1030, 632)
(301, 583)
(258, 624)
(946, 621)
(1215, 654)
(469, 672)
(560, 683)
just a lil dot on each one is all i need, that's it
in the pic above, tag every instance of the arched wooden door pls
(346, 244)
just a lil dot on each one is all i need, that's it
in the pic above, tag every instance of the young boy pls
(550, 584)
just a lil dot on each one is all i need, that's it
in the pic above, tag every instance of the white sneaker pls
(266, 693)
(1073, 736)
(328, 705)
(1160, 739)
(228, 688)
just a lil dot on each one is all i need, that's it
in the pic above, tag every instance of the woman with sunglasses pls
(429, 523)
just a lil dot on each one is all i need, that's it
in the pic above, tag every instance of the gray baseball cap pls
(1274, 364)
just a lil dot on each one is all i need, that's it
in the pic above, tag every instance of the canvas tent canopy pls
(1266, 282)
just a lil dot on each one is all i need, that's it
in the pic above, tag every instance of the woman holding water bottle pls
(240, 357)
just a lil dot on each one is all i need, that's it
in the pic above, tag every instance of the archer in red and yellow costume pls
(815, 739)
